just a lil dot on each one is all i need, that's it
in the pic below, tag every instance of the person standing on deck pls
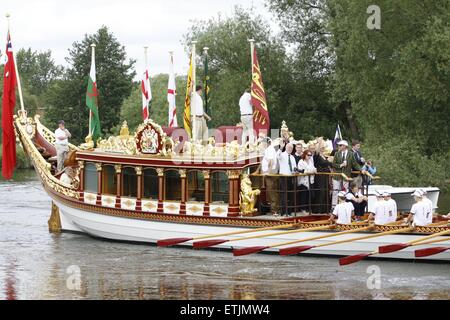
(305, 183)
(298, 152)
(246, 108)
(62, 136)
(344, 211)
(199, 116)
(421, 215)
(343, 162)
(391, 207)
(287, 168)
(270, 167)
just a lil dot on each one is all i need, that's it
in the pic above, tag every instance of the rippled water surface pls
(35, 264)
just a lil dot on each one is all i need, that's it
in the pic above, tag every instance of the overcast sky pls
(160, 24)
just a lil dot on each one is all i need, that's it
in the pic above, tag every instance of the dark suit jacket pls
(351, 163)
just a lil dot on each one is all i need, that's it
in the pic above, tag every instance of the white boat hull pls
(144, 231)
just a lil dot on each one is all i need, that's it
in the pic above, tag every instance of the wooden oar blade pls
(248, 250)
(393, 248)
(172, 242)
(353, 259)
(208, 243)
(294, 250)
(430, 251)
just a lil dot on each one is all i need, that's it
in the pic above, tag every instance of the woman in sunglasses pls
(305, 166)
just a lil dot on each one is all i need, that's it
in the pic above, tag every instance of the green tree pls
(132, 106)
(230, 64)
(66, 98)
(37, 70)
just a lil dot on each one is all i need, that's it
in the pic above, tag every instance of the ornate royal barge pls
(151, 186)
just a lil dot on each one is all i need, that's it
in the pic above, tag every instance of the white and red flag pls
(171, 97)
(8, 104)
(146, 94)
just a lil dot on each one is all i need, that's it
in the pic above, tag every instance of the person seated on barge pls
(421, 214)
(343, 212)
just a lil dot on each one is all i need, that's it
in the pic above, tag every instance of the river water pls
(35, 264)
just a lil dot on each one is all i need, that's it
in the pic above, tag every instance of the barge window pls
(173, 185)
(219, 186)
(196, 186)
(151, 184)
(109, 180)
(90, 178)
(129, 179)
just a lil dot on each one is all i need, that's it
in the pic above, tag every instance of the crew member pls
(246, 108)
(199, 116)
(380, 214)
(420, 212)
(62, 136)
(391, 206)
(343, 212)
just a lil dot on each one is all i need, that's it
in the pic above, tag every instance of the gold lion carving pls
(248, 196)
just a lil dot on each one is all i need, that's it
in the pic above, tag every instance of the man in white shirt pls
(269, 166)
(286, 159)
(380, 214)
(391, 207)
(246, 108)
(62, 136)
(200, 129)
(426, 200)
(420, 212)
(287, 168)
(343, 211)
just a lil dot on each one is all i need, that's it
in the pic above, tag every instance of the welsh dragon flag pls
(92, 102)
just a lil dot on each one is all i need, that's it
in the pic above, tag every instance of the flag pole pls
(90, 111)
(252, 49)
(146, 70)
(19, 86)
(194, 85)
(172, 72)
(205, 51)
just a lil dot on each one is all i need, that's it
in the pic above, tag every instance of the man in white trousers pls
(246, 108)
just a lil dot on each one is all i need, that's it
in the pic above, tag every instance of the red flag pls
(261, 119)
(8, 104)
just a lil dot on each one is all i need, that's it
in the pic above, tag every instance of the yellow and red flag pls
(187, 101)
(261, 119)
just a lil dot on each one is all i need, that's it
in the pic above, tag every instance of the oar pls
(175, 241)
(211, 243)
(289, 251)
(422, 253)
(251, 250)
(388, 249)
(400, 246)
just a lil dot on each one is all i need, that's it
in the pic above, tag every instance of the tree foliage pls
(391, 85)
(67, 97)
(131, 109)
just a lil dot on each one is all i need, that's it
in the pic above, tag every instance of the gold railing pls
(43, 168)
